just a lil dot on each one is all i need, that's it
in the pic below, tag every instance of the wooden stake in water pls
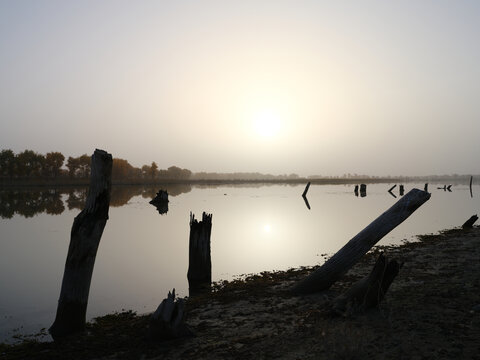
(199, 264)
(87, 229)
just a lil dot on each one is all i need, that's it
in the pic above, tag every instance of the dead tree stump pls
(369, 291)
(161, 201)
(322, 278)
(87, 229)
(199, 265)
(469, 223)
(168, 321)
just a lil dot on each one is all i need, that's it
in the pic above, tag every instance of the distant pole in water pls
(87, 230)
(471, 180)
(306, 189)
(199, 260)
(363, 190)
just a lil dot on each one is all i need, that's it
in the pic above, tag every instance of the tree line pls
(30, 165)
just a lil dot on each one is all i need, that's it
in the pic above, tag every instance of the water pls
(143, 254)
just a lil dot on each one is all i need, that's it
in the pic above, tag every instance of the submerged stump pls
(87, 229)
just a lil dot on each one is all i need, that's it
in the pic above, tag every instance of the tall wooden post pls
(322, 278)
(199, 263)
(87, 229)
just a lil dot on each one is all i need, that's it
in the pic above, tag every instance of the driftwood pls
(369, 291)
(87, 229)
(322, 278)
(168, 321)
(469, 223)
(199, 263)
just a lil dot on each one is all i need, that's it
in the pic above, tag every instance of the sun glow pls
(266, 123)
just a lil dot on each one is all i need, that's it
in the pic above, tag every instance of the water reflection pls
(30, 202)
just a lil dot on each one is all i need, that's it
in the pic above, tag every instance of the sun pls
(266, 123)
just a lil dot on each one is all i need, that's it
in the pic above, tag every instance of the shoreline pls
(432, 310)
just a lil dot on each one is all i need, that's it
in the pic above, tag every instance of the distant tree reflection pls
(28, 203)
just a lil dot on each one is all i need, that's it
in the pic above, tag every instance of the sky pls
(306, 87)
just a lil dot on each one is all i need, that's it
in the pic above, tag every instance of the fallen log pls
(469, 223)
(199, 261)
(87, 229)
(369, 291)
(168, 321)
(322, 278)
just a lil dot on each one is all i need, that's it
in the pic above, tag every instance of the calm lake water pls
(143, 254)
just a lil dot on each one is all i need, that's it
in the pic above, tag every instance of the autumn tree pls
(30, 163)
(53, 163)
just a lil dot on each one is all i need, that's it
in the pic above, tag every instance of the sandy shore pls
(431, 311)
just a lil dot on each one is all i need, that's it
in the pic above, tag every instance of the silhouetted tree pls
(53, 163)
(7, 163)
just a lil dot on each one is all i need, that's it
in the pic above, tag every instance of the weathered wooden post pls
(322, 278)
(401, 190)
(85, 237)
(363, 190)
(199, 264)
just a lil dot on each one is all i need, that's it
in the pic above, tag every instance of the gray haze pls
(312, 87)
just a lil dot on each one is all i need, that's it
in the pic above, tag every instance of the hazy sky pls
(312, 87)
